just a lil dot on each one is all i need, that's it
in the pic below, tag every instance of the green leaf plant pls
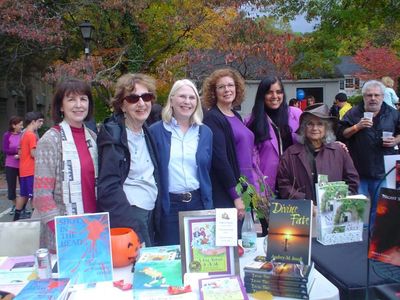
(259, 200)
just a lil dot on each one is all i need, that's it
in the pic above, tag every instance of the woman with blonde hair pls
(390, 97)
(232, 142)
(128, 170)
(184, 146)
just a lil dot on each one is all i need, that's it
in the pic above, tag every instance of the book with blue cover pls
(49, 289)
(84, 248)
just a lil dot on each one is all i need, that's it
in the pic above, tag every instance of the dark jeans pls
(169, 234)
(144, 217)
(11, 177)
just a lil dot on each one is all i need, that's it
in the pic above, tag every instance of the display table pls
(321, 290)
(345, 265)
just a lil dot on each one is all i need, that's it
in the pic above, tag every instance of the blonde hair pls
(127, 83)
(387, 81)
(168, 112)
(210, 86)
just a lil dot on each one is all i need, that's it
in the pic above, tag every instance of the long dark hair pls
(259, 123)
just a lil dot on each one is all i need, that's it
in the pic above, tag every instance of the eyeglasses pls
(373, 95)
(133, 98)
(225, 86)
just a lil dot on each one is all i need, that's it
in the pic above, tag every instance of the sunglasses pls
(146, 97)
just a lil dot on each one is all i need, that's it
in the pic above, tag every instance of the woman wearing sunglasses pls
(128, 172)
(185, 149)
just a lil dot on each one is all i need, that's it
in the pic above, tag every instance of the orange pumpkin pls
(125, 246)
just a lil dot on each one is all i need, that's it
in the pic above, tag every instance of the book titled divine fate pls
(289, 237)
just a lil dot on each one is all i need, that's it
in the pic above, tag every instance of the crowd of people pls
(192, 153)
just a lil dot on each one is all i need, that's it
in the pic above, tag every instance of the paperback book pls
(340, 217)
(17, 269)
(221, 288)
(49, 289)
(84, 248)
(157, 269)
(385, 240)
(289, 237)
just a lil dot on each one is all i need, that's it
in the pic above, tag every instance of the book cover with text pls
(385, 240)
(289, 235)
(84, 248)
(49, 289)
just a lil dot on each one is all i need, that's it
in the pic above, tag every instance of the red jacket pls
(295, 178)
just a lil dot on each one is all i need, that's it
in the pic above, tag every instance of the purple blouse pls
(244, 141)
(10, 148)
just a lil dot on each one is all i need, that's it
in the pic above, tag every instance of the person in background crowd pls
(128, 185)
(66, 160)
(232, 140)
(343, 105)
(365, 142)
(41, 122)
(390, 97)
(273, 124)
(27, 153)
(310, 99)
(334, 110)
(294, 102)
(155, 114)
(11, 142)
(316, 153)
(185, 148)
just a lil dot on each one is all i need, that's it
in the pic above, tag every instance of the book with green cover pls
(340, 216)
(156, 269)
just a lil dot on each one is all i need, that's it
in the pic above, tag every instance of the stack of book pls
(280, 279)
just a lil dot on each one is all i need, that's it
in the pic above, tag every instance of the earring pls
(62, 114)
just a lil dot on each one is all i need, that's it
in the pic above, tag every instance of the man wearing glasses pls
(371, 130)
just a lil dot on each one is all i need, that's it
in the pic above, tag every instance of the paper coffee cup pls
(368, 115)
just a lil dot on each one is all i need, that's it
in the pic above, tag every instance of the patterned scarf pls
(71, 169)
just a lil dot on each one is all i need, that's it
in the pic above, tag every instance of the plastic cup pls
(368, 115)
(386, 134)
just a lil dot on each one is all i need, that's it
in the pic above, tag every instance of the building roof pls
(347, 66)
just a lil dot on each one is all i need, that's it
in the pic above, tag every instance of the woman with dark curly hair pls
(232, 140)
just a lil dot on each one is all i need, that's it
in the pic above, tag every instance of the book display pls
(84, 248)
(289, 236)
(340, 216)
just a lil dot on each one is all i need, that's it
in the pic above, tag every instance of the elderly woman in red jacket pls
(315, 154)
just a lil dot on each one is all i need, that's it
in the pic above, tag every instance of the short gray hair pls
(329, 132)
(167, 112)
(372, 83)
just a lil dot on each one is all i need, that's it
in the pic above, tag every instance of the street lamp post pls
(86, 30)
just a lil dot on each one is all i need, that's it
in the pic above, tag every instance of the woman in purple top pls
(274, 124)
(11, 139)
(232, 140)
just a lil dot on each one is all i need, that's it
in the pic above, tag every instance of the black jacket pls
(365, 146)
(225, 171)
(114, 165)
